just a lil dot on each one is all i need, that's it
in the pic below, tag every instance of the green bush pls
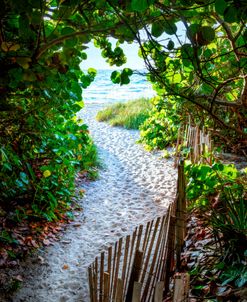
(160, 129)
(38, 167)
(219, 193)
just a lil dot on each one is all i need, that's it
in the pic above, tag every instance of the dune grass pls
(129, 115)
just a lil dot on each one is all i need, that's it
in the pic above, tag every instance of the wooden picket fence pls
(139, 266)
(198, 141)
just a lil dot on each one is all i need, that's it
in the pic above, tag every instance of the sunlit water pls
(102, 90)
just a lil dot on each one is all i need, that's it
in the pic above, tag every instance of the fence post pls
(181, 287)
(180, 212)
(135, 273)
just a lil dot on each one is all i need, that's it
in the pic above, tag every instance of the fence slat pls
(126, 252)
(91, 283)
(163, 248)
(158, 293)
(139, 237)
(102, 255)
(130, 258)
(180, 212)
(106, 288)
(135, 273)
(117, 265)
(136, 292)
(148, 289)
(113, 270)
(170, 253)
(161, 252)
(95, 278)
(147, 237)
(119, 292)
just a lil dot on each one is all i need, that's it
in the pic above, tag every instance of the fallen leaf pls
(42, 260)
(34, 244)
(66, 241)
(46, 242)
(18, 278)
(76, 224)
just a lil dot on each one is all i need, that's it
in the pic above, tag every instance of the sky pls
(96, 61)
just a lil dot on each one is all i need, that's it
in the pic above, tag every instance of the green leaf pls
(23, 62)
(81, 104)
(208, 33)
(170, 28)
(67, 31)
(116, 77)
(141, 5)
(157, 29)
(71, 42)
(92, 71)
(128, 71)
(220, 6)
(76, 89)
(24, 29)
(231, 14)
(30, 170)
(192, 30)
(170, 45)
(47, 173)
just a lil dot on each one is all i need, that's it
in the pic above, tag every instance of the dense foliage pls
(161, 127)
(42, 143)
(42, 43)
(196, 54)
(218, 195)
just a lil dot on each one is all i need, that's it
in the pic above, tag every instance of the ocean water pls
(102, 90)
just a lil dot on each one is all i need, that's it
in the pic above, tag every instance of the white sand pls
(133, 187)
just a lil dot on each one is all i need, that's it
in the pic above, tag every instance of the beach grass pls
(130, 115)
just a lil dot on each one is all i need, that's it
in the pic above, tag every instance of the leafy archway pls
(42, 44)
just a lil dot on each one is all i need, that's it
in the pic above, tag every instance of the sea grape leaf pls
(141, 5)
(157, 29)
(170, 28)
(116, 77)
(92, 71)
(192, 30)
(170, 45)
(208, 33)
(67, 30)
(220, 6)
(126, 73)
(231, 14)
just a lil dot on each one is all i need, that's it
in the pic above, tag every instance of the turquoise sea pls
(102, 90)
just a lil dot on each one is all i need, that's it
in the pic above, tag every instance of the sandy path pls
(133, 187)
